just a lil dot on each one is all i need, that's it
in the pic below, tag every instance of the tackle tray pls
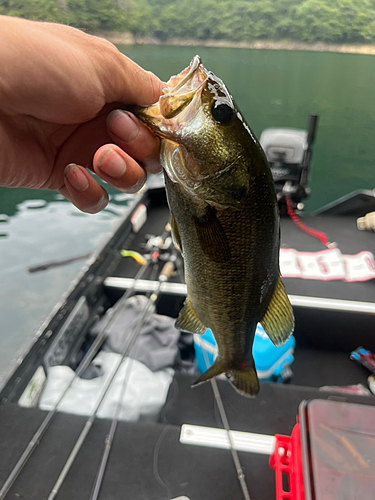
(330, 454)
(272, 363)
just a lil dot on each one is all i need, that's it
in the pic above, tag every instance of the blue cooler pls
(272, 363)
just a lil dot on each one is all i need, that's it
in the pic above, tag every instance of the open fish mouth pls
(179, 92)
(175, 83)
(182, 86)
(183, 119)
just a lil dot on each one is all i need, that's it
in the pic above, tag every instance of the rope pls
(322, 237)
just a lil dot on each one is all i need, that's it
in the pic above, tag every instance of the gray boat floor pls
(147, 461)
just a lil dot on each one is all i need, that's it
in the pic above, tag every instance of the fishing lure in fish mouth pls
(224, 217)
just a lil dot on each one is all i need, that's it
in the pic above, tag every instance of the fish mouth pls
(163, 117)
(175, 83)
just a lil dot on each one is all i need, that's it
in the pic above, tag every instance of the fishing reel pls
(159, 242)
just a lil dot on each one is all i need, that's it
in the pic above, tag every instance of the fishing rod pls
(89, 356)
(110, 438)
(165, 274)
(57, 263)
(167, 271)
(35, 440)
(224, 420)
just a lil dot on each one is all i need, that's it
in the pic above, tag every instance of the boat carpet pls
(341, 230)
(321, 328)
(316, 368)
(147, 461)
(272, 411)
(316, 327)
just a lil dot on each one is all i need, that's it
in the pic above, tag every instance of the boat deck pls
(147, 460)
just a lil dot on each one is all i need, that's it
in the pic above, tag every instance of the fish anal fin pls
(216, 369)
(212, 237)
(278, 322)
(175, 232)
(188, 320)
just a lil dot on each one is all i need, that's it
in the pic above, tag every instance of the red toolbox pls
(330, 454)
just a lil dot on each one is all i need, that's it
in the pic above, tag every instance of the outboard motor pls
(288, 152)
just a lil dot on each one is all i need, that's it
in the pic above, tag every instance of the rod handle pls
(167, 271)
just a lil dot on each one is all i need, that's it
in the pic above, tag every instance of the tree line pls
(334, 21)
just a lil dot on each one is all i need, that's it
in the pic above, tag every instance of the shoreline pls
(119, 38)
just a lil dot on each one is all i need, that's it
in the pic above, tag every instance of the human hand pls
(61, 94)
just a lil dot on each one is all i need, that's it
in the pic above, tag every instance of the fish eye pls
(222, 113)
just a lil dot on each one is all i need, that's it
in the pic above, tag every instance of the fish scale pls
(224, 216)
(226, 296)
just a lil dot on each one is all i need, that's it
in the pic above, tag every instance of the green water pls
(280, 88)
(272, 88)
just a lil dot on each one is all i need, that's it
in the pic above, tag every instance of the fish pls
(224, 218)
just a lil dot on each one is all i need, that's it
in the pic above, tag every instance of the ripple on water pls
(4, 219)
(31, 204)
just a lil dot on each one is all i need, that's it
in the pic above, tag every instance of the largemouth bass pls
(224, 217)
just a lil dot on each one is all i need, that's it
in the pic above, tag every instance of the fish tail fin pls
(216, 369)
(245, 380)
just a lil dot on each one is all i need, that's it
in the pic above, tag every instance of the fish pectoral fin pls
(212, 237)
(278, 322)
(175, 232)
(245, 380)
(216, 369)
(188, 320)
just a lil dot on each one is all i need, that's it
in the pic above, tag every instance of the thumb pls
(124, 81)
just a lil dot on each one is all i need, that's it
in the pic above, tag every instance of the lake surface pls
(280, 88)
(272, 89)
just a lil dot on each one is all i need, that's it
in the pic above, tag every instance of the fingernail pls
(76, 178)
(111, 163)
(122, 125)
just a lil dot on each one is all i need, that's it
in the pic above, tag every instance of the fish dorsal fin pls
(175, 232)
(188, 320)
(278, 322)
(212, 237)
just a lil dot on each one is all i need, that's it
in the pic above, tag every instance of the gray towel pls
(156, 346)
